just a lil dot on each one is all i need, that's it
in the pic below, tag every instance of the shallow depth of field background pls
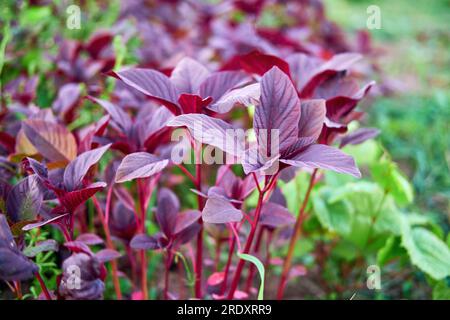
(413, 53)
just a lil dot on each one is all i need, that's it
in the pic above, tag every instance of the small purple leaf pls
(90, 239)
(145, 242)
(152, 83)
(188, 75)
(312, 118)
(245, 96)
(43, 246)
(106, 255)
(186, 219)
(219, 210)
(324, 157)
(139, 165)
(274, 215)
(167, 211)
(359, 136)
(219, 83)
(25, 199)
(208, 130)
(77, 169)
(118, 115)
(39, 224)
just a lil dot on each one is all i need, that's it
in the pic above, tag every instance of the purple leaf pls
(309, 72)
(118, 115)
(219, 210)
(14, 266)
(145, 242)
(186, 219)
(359, 136)
(106, 255)
(254, 161)
(43, 246)
(246, 96)
(152, 83)
(208, 130)
(25, 199)
(302, 68)
(192, 103)
(91, 285)
(167, 210)
(279, 110)
(312, 118)
(67, 99)
(71, 200)
(139, 165)
(90, 239)
(188, 75)
(77, 169)
(324, 157)
(77, 247)
(219, 83)
(257, 62)
(39, 224)
(274, 215)
(187, 234)
(52, 140)
(38, 168)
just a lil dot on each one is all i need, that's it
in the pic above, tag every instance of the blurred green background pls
(414, 41)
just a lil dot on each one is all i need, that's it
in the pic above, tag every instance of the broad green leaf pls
(365, 153)
(345, 250)
(391, 250)
(389, 218)
(295, 190)
(387, 175)
(365, 198)
(260, 268)
(335, 217)
(426, 251)
(360, 230)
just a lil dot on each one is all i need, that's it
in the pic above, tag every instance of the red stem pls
(110, 245)
(166, 274)
(241, 263)
(227, 266)
(199, 254)
(43, 286)
(294, 238)
(217, 257)
(251, 272)
(143, 253)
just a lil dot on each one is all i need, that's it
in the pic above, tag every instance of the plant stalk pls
(110, 245)
(241, 263)
(294, 238)
(43, 286)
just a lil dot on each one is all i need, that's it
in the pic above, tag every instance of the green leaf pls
(441, 291)
(295, 190)
(336, 216)
(47, 245)
(389, 218)
(387, 175)
(426, 251)
(260, 268)
(34, 15)
(365, 198)
(392, 249)
(365, 153)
